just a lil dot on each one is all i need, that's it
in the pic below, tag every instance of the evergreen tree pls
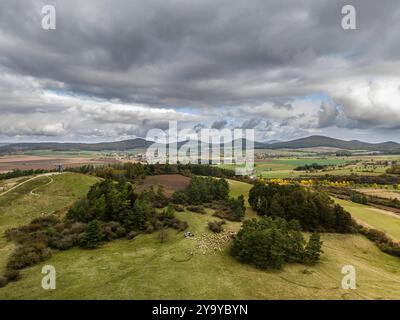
(169, 213)
(137, 217)
(313, 248)
(93, 235)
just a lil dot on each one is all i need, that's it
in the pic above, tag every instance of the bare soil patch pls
(171, 183)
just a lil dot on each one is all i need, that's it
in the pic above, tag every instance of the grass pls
(144, 268)
(376, 218)
(20, 207)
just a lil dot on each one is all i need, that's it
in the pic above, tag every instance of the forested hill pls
(308, 142)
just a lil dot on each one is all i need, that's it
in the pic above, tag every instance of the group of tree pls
(314, 210)
(271, 242)
(137, 171)
(201, 190)
(310, 167)
(117, 201)
(205, 190)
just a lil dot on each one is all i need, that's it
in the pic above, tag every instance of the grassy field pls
(144, 268)
(373, 217)
(20, 206)
(63, 154)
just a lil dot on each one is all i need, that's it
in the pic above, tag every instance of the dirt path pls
(38, 195)
(33, 178)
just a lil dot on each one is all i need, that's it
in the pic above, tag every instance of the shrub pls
(179, 225)
(163, 235)
(132, 235)
(168, 213)
(11, 275)
(3, 281)
(197, 209)
(383, 242)
(179, 208)
(358, 198)
(149, 229)
(63, 243)
(28, 255)
(216, 226)
(180, 197)
(113, 230)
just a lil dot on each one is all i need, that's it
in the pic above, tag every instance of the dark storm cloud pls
(327, 114)
(203, 55)
(219, 124)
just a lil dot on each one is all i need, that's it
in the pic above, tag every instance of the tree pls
(343, 220)
(163, 235)
(93, 235)
(137, 217)
(238, 208)
(169, 213)
(313, 248)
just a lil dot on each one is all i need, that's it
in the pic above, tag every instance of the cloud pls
(151, 61)
(327, 114)
(219, 124)
(250, 123)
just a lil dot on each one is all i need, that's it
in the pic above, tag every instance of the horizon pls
(143, 138)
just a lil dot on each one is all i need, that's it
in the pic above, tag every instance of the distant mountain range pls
(322, 141)
(138, 143)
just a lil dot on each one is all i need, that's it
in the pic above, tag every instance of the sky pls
(114, 69)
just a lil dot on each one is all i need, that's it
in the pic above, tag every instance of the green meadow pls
(144, 268)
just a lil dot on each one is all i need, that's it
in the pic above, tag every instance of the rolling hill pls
(308, 142)
(322, 141)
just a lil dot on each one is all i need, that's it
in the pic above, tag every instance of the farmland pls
(144, 268)
(283, 166)
(47, 161)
